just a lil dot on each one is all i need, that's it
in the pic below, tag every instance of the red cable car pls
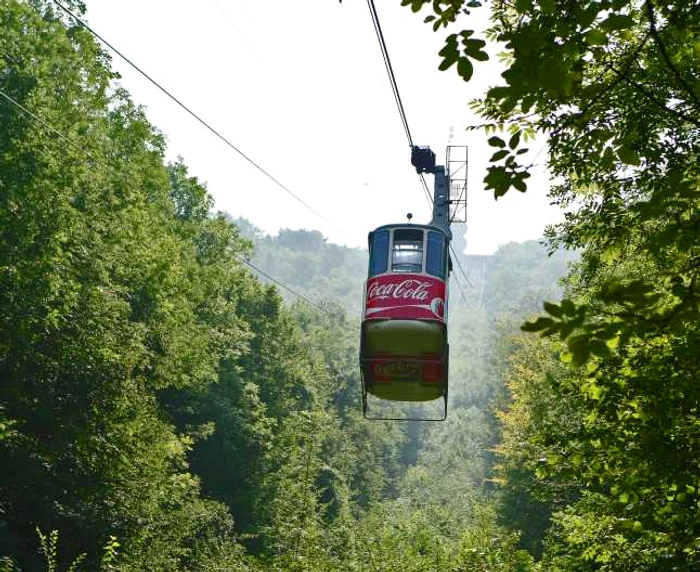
(404, 351)
(403, 343)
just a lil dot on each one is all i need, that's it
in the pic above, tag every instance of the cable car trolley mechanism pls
(404, 350)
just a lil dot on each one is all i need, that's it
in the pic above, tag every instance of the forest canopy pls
(165, 406)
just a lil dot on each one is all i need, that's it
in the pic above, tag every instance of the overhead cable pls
(425, 188)
(85, 152)
(195, 116)
(287, 288)
(233, 25)
(459, 265)
(389, 69)
(394, 85)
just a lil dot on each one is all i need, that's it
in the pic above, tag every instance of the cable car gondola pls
(404, 350)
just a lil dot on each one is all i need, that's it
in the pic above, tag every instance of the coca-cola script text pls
(407, 289)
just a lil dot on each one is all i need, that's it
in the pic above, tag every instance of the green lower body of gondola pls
(404, 360)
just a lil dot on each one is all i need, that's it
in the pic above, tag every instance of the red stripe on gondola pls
(405, 296)
(387, 368)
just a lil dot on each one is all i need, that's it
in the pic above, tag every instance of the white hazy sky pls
(300, 87)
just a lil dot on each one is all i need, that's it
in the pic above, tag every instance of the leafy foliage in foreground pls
(612, 459)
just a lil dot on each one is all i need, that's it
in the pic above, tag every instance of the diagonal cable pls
(389, 69)
(394, 85)
(459, 265)
(197, 117)
(425, 188)
(287, 288)
(85, 152)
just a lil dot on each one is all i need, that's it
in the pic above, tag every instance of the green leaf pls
(547, 6)
(617, 22)
(465, 69)
(587, 17)
(596, 38)
(553, 309)
(566, 329)
(628, 156)
(449, 52)
(514, 140)
(498, 155)
(509, 104)
(600, 348)
(479, 56)
(580, 356)
(499, 92)
(446, 63)
(473, 48)
(519, 182)
(538, 325)
(497, 178)
(592, 390)
(580, 350)
(608, 158)
(568, 307)
(496, 142)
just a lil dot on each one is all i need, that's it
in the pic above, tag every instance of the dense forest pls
(181, 391)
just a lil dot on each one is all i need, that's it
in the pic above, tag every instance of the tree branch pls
(606, 89)
(664, 54)
(655, 100)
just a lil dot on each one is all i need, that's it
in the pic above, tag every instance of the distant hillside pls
(304, 261)
(514, 280)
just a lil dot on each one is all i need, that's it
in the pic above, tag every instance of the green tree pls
(614, 86)
(99, 313)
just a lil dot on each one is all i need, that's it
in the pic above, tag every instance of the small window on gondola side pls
(378, 252)
(436, 258)
(407, 250)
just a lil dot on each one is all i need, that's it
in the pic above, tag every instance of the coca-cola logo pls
(410, 289)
